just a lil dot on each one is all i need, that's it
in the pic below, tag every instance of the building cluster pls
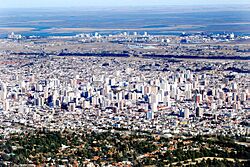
(14, 36)
(159, 96)
(145, 37)
(142, 37)
(200, 45)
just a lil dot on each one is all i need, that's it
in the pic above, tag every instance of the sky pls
(111, 3)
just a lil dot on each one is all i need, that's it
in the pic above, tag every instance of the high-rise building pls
(150, 115)
(3, 91)
(199, 112)
(154, 107)
(186, 113)
(72, 107)
(6, 105)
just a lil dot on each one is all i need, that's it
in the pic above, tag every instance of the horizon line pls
(129, 6)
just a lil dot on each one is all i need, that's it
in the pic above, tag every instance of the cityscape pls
(124, 98)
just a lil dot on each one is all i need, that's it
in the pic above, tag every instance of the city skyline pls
(126, 83)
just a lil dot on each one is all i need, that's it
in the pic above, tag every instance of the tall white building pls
(186, 113)
(3, 91)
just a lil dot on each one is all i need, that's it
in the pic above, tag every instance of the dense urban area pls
(129, 99)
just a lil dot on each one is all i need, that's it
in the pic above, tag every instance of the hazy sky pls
(105, 3)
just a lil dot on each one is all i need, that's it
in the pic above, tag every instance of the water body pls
(158, 21)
